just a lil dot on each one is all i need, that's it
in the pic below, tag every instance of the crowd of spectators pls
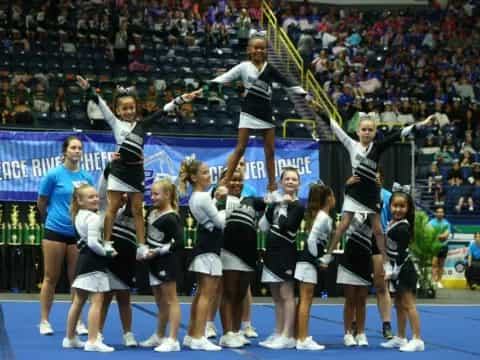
(152, 44)
(400, 65)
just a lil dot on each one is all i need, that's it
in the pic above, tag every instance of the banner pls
(25, 157)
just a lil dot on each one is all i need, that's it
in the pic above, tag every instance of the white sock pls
(211, 323)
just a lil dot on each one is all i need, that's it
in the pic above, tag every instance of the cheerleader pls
(164, 235)
(121, 269)
(355, 274)
(401, 272)
(206, 261)
(281, 222)
(257, 76)
(91, 275)
(127, 173)
(320, 202)
(239, 258)
(363, 196)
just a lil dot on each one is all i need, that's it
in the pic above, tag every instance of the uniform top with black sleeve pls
(403, 275)
(92, 255)
(240, 234)
(129, 137)
(364, 196)
(281, 251)
(210, 221)
(258, 84)
(317, 238)
(164, 228)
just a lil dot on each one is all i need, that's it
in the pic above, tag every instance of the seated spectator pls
(472, 272)
(405, 115)
(244, 24)
(468, 144)
(467, 159)
(22, 111)
(455, 172)
(434, 175)
(41, 102)
(60, 102)
(150, 105)
(388, 116)
(441, 119)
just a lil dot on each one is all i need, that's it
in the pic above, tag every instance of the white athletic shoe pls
(45, 328)
(152, 341)
(268, 340)
(309, 344)
(168, 345)
(204, 344)
(361, 340)
(241, 336)
(81, 329)
(282, 342)
(230, 340)
(348, 340)
(395, 342)
(129, 340)
(413, 345)
(250, 332)
(97, 346)
(210, 330)
(73, 343)
(187, 341)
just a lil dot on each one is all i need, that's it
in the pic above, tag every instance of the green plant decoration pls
(424, 247)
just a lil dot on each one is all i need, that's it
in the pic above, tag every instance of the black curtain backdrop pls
(335, 166)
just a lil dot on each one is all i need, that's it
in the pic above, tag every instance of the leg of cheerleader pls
(227, 305)
(247, 326)
(72, 257)
(169, 290)
(115, 201)
(288, 299)
(269, 148)
(348, 314)
(243, 290)
(384, 302)
(401, 317)
(207, 292)
(125, 309)
(361, 293)
(279, 309)
(378, 232)
(94, 314)
(107, 300)
(137, 212)
(237, 154)
(303, 309)
(74, 312)
(412, 314)
(210, 329)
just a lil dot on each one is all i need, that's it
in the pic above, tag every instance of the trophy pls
(14, 228)
(31, 231)
(341, 243)
(302, 234)
(190, 232)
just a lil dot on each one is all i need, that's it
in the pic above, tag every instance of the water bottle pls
(194, 289)
(324, 295)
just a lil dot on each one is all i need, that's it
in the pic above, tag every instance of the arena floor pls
(448, 328)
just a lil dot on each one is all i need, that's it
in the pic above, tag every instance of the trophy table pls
(32, 251)
(15, 259)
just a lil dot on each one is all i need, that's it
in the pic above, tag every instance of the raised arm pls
(231, 75)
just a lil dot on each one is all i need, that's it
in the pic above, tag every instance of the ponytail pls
(188, 167)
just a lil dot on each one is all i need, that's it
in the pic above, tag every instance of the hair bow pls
(318, 182)
(255, 33)
(190, 159)
(126, 90)
(396, 187)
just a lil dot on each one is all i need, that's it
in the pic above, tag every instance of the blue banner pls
(25, 157)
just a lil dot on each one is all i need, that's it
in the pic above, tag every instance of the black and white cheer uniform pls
(163, 228)
(355, 266)
(239, 250)
(364, 196)
(404, 276)
(210, 225)
(282, 221)
(257, 105)
(127, 173)
(91, 272)
(307, 262)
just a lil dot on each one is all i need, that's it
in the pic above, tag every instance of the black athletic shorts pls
(55, 236)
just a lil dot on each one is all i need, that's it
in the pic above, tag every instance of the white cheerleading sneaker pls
(81, 329)
(187, 341)
(243, 339)
(361, 340)
(348, 340)
(309, 344)
(268, 340)
(152, 341)
(282, 342)
(45, 328)
(250, 332)
(210, 330)
(395, 342)
(230, 340)
(204, 344)
(168, 345)
(413, 345)
(97, 346)
(73, 343)
(129, 340)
